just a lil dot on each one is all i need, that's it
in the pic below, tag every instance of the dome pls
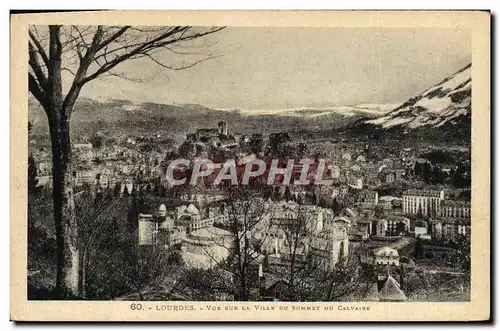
(162, 210)
(191, 209)
(167, 224)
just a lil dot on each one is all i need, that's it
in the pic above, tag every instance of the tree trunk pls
(58, 115)
(64, 211)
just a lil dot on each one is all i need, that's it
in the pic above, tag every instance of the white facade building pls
(424, 201)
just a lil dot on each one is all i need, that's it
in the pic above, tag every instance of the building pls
(207, 247)
(421, 230)
(127, 186)
(321, 236)
(159, 229)
(346, 157)
(455, 209)
(452, 221)
(334, 171)
(393, 226)
(367, 198)
(389, 202)
(388, 175)
(362, 230)
(190, 218)
(382, 228)
(273, 240)
(83, 151)
(45, 181)
(82, 146)
(332, 244)
(288, 214)
(361, 158)
(84, 177)
(222, 128)
(102, 180)
(44, 168)
(450, 229)
(425, 202)
(273, 288)
(219, 214)
(386, 256)
(356, 183)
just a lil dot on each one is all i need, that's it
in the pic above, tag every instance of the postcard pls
(250, 166)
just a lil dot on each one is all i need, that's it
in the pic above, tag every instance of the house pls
(361, 158)
(389, 202)
(273, 287)
(83, 151)
(367, 198)
(346, 157)
(393, 225)
(421, 229)
(386, 256)
(359, 232)
(334, 171)
(382, 228)
(356, 182)
(388, 175)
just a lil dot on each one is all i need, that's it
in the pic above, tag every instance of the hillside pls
(446, 102)
(121, 117)
(440, 112)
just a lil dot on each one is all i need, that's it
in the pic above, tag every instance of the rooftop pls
(424, 193)
(391, 291)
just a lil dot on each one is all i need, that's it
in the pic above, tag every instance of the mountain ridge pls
(90, 116)
(447, 101)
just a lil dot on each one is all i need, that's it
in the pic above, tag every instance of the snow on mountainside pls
(369, 110)
(447, 102)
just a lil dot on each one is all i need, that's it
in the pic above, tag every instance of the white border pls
(189, 4)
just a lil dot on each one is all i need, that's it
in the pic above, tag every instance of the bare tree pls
(311, 267)
(246, 216)
(157, 274)
(88, 53)
(93, 219)
(299, 266)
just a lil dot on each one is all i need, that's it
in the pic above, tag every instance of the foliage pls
(41, 246)
(97, 141)
(32, 174)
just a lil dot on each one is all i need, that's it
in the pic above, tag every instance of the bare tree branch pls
(112, 38)
(145, 48)
(37, 69)
(37, 91)
(181, 67)
(40, 48)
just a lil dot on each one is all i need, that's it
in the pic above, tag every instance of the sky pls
(276, 68)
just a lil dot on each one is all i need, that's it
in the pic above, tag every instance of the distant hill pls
(440, 112)
(363, 110)
(124, 117)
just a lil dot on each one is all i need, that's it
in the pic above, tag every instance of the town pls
(392, 225)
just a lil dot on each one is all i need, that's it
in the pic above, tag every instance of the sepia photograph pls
(222, 169)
